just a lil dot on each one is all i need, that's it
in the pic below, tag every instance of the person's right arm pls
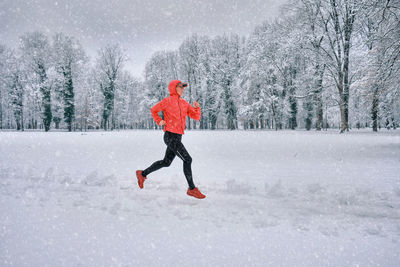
(154, 112)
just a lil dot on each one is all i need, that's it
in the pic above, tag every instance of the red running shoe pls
(195, 193)
(140, 178)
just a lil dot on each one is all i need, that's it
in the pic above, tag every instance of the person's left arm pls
(194, 112)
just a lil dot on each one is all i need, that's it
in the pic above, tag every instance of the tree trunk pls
(46, 98)
(69, 106)
(318, 101)
(374, 110)
(343, 39)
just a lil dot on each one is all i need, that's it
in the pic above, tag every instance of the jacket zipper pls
(180, 113)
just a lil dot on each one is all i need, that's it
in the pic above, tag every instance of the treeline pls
(47, 84)
(323, 63)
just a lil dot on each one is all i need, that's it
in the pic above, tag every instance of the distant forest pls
(322, 64)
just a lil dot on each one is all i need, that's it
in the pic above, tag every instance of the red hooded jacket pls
(175, 110)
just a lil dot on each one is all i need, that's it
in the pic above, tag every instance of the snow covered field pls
(273, 199)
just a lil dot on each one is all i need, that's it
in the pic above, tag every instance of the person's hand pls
(196, 105)
(162, 122)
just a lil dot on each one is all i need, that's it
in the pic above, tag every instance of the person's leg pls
(179, 149)
(168, 158)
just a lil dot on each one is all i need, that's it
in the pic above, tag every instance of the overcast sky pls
(141, 27)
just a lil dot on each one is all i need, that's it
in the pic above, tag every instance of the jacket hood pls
(172, 87)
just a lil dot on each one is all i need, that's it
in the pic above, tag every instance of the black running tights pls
(174, 148)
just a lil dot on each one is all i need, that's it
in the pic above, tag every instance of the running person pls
(175, 111)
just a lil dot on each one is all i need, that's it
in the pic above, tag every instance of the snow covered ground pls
(288, 198)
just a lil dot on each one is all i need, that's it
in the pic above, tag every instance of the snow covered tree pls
(190, 56)
(17, 95)
(109, 63)
(336, 18)
(89, 100)
(208, 96)
(381, 69)
(225, 65)
(133, 114)
(35, 52)
(126, 90)
(307, 14)
(263, 72)
(13, 84)
(68, 56)
(56, 87)
(2, 82)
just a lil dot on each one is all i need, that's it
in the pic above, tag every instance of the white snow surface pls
(286, 198)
